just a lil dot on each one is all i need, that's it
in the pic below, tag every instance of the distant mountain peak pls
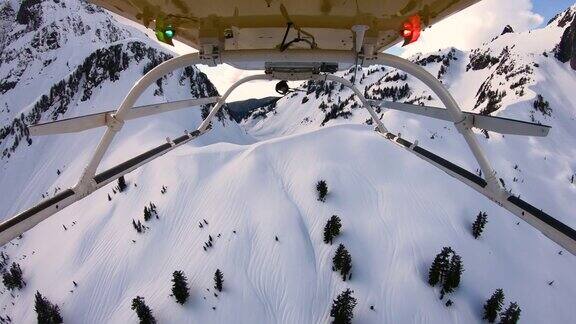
(562, 19)
(508, 29)
(566, 50)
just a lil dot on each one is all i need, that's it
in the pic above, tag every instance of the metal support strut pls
(90, 181)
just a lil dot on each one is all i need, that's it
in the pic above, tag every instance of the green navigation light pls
(164, 31)
(169, 32)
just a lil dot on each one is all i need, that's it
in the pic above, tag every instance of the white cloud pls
(477, 24)
(223, 76)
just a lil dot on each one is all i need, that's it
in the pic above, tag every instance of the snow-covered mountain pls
(249, 189)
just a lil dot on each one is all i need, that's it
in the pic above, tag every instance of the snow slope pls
(393, 223)
(259, 181)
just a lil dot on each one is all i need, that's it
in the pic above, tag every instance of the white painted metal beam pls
(490, 123)
(82, 123)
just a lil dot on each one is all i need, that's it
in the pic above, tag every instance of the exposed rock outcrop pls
(565, 51)
(507, 30)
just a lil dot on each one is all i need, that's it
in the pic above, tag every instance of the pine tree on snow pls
(142, 310)
(147, 214)
(322, 189)
(439, 267)
(335, 225)
(343, 308)
(180, 287)
(446, 269)
(152, 210)
(342, 261)
(328, 233)
(479, 223)
(332, 229)
(511, 315)
(16, 273)
(493, 306)
(13, 278)
(218, 280)
(452, 280)
(46, 312)
(137, 226)
(122, 184)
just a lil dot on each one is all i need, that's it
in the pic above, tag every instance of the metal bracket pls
(85, 187)
(210, 54)
(295, 71)
(359, 31)
(292, 76)
(113, 123)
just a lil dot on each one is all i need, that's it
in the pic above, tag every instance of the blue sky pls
(549, 8)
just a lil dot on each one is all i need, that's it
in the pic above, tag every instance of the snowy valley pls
(243, 198)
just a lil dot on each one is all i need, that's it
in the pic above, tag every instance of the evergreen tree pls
(452, 280)
(147, 214)
(180, 287)
(335, 226)
(434, 272)
(16, 273)
(332, 229)
(493, 306)
(328, 233)
(218, 280)
(343, 308)
(479, 223)
(456, 269)
(122, 184)
(322, 189)
(12, 278)
(511, 315)
(137, 226)
(46, 312)
(342, 261)
(439, 267)
(143, 311)
(446, 269)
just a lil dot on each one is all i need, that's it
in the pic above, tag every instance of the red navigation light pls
(411, 29)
